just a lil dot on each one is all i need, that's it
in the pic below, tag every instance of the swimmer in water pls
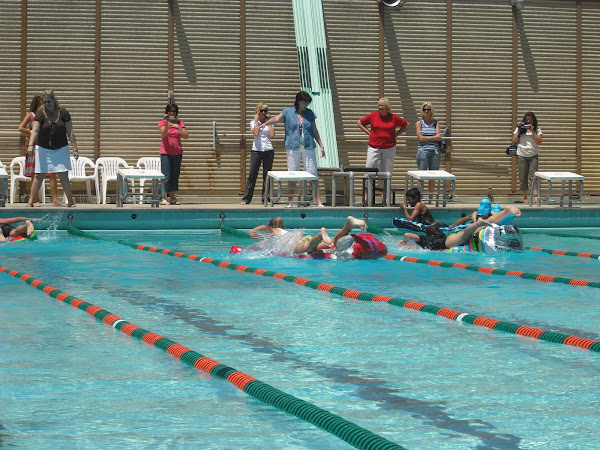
(24, 230)
(308, 244)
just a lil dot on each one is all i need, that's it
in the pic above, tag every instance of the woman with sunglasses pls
(171, 152)
(52, 131)
(262, 150)
(430, 136)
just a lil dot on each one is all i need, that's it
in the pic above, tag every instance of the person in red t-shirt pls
(385, 126)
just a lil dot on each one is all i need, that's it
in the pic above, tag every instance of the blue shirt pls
(294, 136)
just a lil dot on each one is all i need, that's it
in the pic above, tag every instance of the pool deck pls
(211, 212)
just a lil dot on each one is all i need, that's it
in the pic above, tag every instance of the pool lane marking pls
(349, 432)
(492, 271)
(493, 324)
(564, 253)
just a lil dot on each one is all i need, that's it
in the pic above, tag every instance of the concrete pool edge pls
(145, 218)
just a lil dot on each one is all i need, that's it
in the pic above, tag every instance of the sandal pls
(164, 202)
(29, 205)
(175, 203)
(71, 205)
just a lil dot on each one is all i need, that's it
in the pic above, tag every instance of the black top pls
(53, 135)
(426, 218)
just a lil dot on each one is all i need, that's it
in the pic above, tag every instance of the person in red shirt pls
(385, 126)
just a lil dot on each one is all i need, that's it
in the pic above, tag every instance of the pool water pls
(68, 380)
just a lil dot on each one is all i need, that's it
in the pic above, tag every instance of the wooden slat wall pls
(60, 56)
(353, 41)
(481, 94)
(271, 70)
(207, 88)
(208, 85)
(133, 77)
(415, 70)
(547, 78)
(10, 78)
(590, 107)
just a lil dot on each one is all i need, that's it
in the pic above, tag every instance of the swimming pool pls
(417, 379)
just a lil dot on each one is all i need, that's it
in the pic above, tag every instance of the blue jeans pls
(428, 160)
(170, 166)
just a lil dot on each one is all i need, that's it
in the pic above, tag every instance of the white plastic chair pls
(78, 174)
(147, 163)
(15, 177)
(109, 167)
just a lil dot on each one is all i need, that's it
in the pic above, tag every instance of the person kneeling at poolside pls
(21, 231)
(308, 244)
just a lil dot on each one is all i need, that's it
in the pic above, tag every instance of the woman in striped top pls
(428, 151)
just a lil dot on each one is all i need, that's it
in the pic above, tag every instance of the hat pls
(485, 207)
(496, 208)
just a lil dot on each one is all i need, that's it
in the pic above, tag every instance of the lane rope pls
(493, 324)
(349, 432)
(492, 271)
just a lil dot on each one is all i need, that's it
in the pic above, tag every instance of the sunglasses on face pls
(426, 109)
(263, 110)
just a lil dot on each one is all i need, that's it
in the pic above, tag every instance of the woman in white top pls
(262, 150)
(528, 136)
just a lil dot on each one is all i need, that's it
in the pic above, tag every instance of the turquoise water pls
(423, 381)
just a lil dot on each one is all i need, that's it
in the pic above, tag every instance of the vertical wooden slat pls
(242, 94)
(515, 74)
(449, 81)
(579, 87)
(23, 93)
(97, 79)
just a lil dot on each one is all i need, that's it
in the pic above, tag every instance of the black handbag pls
(511, 150)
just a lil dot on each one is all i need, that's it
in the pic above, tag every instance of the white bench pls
(300, 176)
(155, 194)
(551, 177)
(3, 187)
(439, 176)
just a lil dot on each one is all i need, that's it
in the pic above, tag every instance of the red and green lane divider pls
(348, 431)
(492, 271)
(564, 253)
(493, 324)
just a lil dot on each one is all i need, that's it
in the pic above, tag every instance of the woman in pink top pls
(171, 152)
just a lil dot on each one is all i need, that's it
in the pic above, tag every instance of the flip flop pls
(71, 205)
(175, 203)
(29, 205)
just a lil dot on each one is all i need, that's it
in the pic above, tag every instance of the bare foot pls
(37, 204)
(525, 200)
(30, 228)
(356, 223)
(325, 236)
(514, 210)
(57, 203)
(535, 199)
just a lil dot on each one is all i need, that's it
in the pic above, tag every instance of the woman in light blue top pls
(428, 150)
(300, 136)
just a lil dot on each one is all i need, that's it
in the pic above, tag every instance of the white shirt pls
(526, 146)
(262, 142)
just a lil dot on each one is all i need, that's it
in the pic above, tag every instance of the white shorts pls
(52, 161)
(381, 158)
(309, 157)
